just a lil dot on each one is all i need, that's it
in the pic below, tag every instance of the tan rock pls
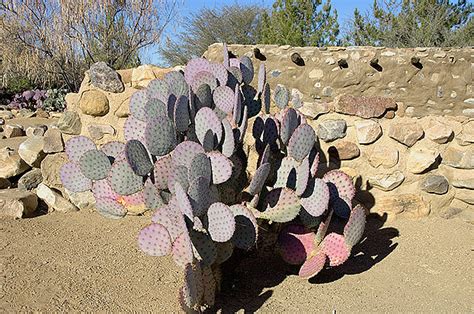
(439, 133)
(387, 182)
(97, 131)
(13, 130)
(94, 103)
(402, 205)
(70, 123)
(126, 76)
(382, 156)
(142, 75)
(316, 74)
(420, 159)
(54, 200)
(17, 204)
(406, 133)
(36, 130)
(466, 136)
(465, 195)
(31, 151)
(53, 141)
(314, 109)
(11, 163)
(344, 150)
(82, 200)
(50, 170)
(458, 158)
(368, 131)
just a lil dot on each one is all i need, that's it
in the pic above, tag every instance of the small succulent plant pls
(183, 159)
(49, 100)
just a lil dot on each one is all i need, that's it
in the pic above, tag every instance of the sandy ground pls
(83, 262)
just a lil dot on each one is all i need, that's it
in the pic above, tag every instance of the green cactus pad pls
(246, 228)
(161, 171)
(313, 265)
(137, 157)
(228, 145)
(102, 189)
(235, 76)
(315, 199)
(155, 108)
(259, 179)
(221, 222)
(302, 176)
(323, 228)
(158, 89)
(335, 248)
(354, 228)
(288, 125)
(182, 250)
(160, 136)
(203, 97)
(340, 184)
(152, 196)
(200, 167)
(177, 84)
(281, 96)
(134, 129)
(286, 173)
(205, 120)
(123, 180)
(73, 179)
(137, 105)
(114, 150)
(221, 167)
(210, 141)
(204, 249)
(301, 142)
(110, 208)
(181, 114)
(262, 77)
(224, 98)
(94, 164)
(199, 195)
(178, 174)
(183, 200)
(77, 146)
(154, 240)
(246, 67)
(185, 152)
(281, 205)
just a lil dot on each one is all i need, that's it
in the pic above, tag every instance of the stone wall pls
(441, 83)
(404, 133)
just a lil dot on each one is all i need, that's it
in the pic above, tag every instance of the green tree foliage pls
(300, 23)
(412, 23)
(233, 24)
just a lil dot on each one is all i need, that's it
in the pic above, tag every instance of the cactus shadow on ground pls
(250, 278)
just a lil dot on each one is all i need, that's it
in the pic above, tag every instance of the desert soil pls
(83, 262)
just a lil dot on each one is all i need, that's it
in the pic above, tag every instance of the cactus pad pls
(77, 146)
(158, 89)
(193, 67)
(114, 150)
(154, 240)
(102, 189)
(246, 67)
(134, 129)
(204, 77)
(199, 195)
(192, 290)
(313, 265)
(73, 179)
(183, 200)
(185, 152)
(110, 208)
(221, 222)
(151, 196)
(160, 136)
(296, 244)
(210, 286)
(203, 97)
(224, 98)
(200, 166)
(259, 179)
(281, 96)
(302, 176)
(123, 180)
(219, 72)
(314, 165)
(281, 205)
(181, 114)
(204, 248)
(261, 77)
(301, 142)
(176, 82)
(221, 167)
(286, 173)
(178, 174)
(354, 228)
(289, 123)
(237, 109)
(308, 220)
(228, 145)
(224, 251)
(137, 104)
(161, 171)
(340, 184)
(94, 164)
(342, 207)
(246, 228)
(266, 98)
(137, 157)
(155, 108)
(205, 120)
(315, 200)
(335, 248)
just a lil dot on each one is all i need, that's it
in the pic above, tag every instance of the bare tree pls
(61, 38)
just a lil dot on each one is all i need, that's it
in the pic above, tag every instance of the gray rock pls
(31, 151)
(30, 180)
(4, 183)
(97, 131)
(406, 133)
(36, 130)
(104, 77)
(17, 204)
(331, 130)
(54, 200)
(435, 184)
(11, 163)
(70, 123)
(13, 130)
(53, 141)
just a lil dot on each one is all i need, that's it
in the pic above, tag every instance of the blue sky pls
(345, 8)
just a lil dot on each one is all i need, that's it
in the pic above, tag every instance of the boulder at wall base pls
(53, 141)
(11, 163)
(17, 204)
(104, 77)
(364, 106)
(94, 103)
(50, 170)
(406, 133)
(30, 180)
(31, 151)
(54, 200)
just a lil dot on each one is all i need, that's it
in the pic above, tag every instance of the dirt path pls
(83, 262)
